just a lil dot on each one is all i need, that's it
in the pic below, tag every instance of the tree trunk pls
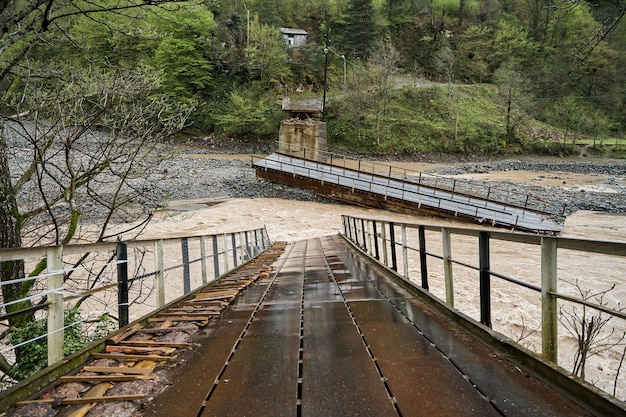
(10, 237)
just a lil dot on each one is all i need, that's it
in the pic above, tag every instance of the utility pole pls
(325, 76)
(344, 73)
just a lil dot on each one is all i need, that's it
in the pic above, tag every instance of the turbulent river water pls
(516, 312)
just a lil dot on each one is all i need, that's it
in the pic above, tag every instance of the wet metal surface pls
(316, 175)
(328, 335)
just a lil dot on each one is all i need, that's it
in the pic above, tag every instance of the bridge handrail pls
(392, 185)
(379, 239)
(123, 268)
(459, 186)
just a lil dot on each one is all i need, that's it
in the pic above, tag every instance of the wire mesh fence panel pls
(571, 312)
(79, 293)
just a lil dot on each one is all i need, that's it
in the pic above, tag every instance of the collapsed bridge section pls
(398, 194)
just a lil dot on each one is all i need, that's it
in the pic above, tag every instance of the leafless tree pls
(511, 83)
(81, 146)
(85, 150)
(589, 328)
(444, 62)
(383, 63)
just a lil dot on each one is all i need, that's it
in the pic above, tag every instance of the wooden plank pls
(146, 365)
(97, 391)
(118, 370)
(180, 345)
(207, 303)
(215, 295)
(126, 357)
(84, 409)
(175, 314)
(157, 350)
(126, 333)
(72, 401)
(158, 330)
(196, 307)
(180, 318)
(103, 378)
(207, 297)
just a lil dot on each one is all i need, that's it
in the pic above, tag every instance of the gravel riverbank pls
(203, 176)
(209, 170)
(605, 193)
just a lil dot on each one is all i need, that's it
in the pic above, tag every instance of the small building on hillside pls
(294, 37)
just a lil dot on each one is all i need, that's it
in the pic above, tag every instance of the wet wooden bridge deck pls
(328, 334)
(311, 328)
(398, 194)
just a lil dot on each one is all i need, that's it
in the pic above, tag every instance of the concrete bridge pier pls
(303, 139)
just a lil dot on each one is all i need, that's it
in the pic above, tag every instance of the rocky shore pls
(207, 169)
(608, 195)
(201, 176)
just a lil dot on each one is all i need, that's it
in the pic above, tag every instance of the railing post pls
(55, 304)
(384, 238)
(266, 239)
(348, 228)
(392, 244)
(247, 253)
(255, 248)
(122, 283)
(549, 333)
(485, 278)
(160, 274)
(216, 258)
(233, 239)
(405, 258)
(447, 265)
(184, 244)
(423, 257)
(203, 259)
(376, 254)
(363, 233)
(225, 250)
(369, 238)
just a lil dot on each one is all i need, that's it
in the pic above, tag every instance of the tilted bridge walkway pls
(399, 194)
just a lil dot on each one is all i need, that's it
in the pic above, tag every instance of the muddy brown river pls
(516, 312)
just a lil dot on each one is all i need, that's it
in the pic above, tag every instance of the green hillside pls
(558, 63)
(462, 119)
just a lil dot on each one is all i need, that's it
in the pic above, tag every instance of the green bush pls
(34, 355)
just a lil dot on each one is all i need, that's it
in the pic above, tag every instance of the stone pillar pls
(303, 138)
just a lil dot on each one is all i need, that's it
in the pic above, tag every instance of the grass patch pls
(469, 120)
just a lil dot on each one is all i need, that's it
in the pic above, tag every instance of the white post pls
(55, 304)
(549, 329)
(225, 250)
(160, 274)
(447, 265)
(203, 259)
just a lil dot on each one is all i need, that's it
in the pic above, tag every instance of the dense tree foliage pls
(207, 53)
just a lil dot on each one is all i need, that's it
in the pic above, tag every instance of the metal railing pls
(460, 186)
(125, 280)
(422, 197)
(402, 248)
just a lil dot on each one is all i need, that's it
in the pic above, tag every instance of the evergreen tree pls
(360, 30)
